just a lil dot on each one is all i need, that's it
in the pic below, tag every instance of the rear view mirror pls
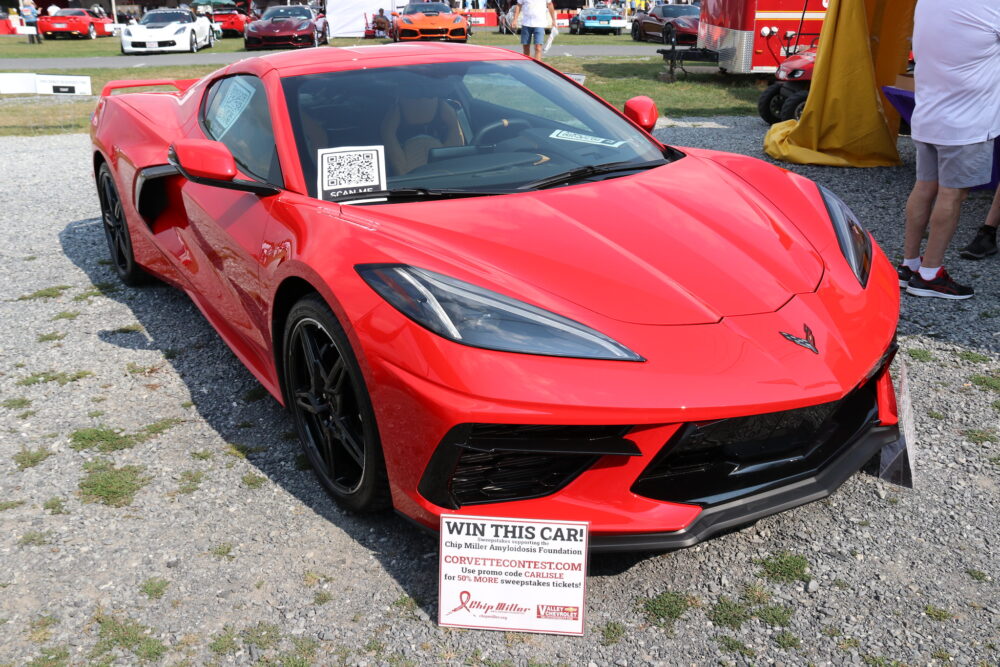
(642, 111)
(208, 162)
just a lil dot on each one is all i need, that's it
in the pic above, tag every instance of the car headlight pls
(251, 27)
(458, 19)
(796, 74)
(304, 25)
(478, 317)
(128, 33)
(180, 31)
(406, 20)
(854, 241)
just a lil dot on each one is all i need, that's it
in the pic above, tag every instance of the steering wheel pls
(501, 126)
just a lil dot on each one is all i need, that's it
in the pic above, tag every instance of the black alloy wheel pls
(793, 105)
(635, 31)
(116, 230)
(330, 405)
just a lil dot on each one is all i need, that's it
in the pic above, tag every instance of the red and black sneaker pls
(941, 286)
(905, 273)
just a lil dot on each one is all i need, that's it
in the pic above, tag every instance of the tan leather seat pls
(413, 127)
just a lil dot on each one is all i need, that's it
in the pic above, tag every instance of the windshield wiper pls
(417, 193)
(588, 171)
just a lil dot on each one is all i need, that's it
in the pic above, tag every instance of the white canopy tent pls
(347, 17)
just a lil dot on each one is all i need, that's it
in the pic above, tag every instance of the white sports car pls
(168, 30)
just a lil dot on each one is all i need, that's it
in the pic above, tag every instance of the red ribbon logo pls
(463, 599)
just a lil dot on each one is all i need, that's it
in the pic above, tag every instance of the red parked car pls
(230, 20)
(74, 23)
(284, 26)
(668, 24)
(471, 304)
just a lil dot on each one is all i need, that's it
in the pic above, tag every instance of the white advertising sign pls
(513, 574)
(62, 85)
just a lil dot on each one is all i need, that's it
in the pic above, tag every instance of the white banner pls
(43, 84)
(513, 574)
(347, 17)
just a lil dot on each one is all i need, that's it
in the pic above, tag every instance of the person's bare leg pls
(918, 214)
(527, 49)
(538, 51)
(993, 217)
(943, 222)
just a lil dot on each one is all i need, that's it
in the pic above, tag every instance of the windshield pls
(680, 10)
(71, 12)
(471, 126)
(425, 7)
(287, 13)
(226, 11)
(166, 17)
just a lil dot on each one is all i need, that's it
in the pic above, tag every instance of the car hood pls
(156, 27)
(280, 25)
(432, 19)
(686, 243)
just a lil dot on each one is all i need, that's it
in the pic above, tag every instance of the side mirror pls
(209, 162)
(395, 13)
(642, 111)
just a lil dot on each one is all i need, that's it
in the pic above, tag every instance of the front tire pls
(330, 405)
(636, 35)
(211, 38)
(193, 47)
(770, 102)
(793, 106)
(116, 230)
(91, 32)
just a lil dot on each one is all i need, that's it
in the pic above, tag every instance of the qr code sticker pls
(350, 170)
(236, 98)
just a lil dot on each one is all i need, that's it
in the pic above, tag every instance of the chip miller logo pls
(809, 342)
(558, 612)
(485, 609)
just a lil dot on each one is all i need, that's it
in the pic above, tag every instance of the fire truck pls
(750, 36)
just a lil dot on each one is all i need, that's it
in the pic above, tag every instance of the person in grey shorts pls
(956, 46)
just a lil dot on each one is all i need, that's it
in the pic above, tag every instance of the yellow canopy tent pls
(846, 121)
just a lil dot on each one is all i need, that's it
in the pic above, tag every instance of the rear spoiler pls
(180, 84)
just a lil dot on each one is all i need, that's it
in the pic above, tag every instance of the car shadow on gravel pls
(231, 402)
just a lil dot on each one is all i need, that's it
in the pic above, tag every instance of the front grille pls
(485, 463)
(433, 32)
(277, 40)
(716, 462)
(139, 45)
(408, 32)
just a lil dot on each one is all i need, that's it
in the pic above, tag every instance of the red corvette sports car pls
(412, 248)
(74, 22)
(231, 21)
(286, 25)
(668, 24)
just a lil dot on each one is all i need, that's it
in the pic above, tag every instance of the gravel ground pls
(230, 553)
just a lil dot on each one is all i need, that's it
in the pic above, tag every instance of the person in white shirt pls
(956, 46)
(52, 9)
(533, 23)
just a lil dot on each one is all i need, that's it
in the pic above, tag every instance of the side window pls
(236, 114)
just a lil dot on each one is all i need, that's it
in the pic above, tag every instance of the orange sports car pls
(429, 20)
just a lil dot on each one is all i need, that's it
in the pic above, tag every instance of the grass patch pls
(224, 643)
(10, 504)
(255, 394)
(128, 635)
(775, 615)
(252, 481)
(115, 487)
(15, 403)
(920, 354)
(991, 382)
(223, 550)
(40, 629)
(729, 613)
(94, 414)
(128, 328)
(104, 439)
(311, 578)
(50, 337)
(154, 587)
(612, 632)
(263, 635)
(733, 645)
(787, 640)
(51, 656)
(754, 594)
(937, 614)
(60, 377)
(28, 458)
(202, 455)
(27, 413)
(322, 597)
(53, 292)
(981, 435)
(786, 567)
(55, 505)
(239, 451)
(66, 315)
(135, 369)
(666, 608)
(33, 538)
(97, 289)
(934, 414)
(978, 575)
(974, 357)
(848, 643)
(190, 481)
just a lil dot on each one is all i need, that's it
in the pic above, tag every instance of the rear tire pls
(116, 231)
(770, 102)
(326, 393)
(793, 106)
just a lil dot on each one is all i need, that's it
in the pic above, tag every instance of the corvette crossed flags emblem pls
(809, 342)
